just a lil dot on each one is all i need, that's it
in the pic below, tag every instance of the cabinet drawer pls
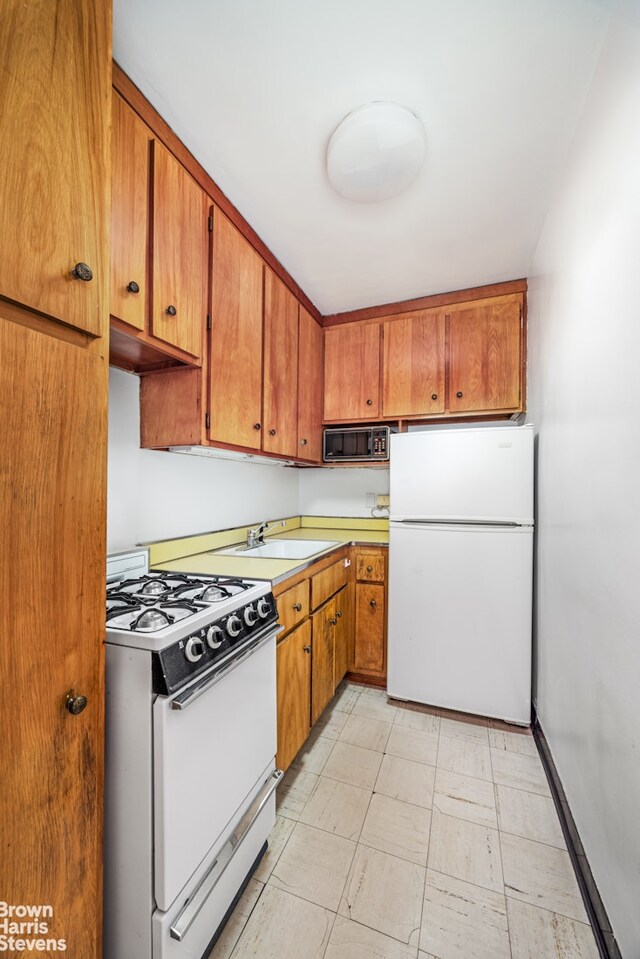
(328, 582)
(370, 567)
(293, 605)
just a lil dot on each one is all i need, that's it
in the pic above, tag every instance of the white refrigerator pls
(460, 570)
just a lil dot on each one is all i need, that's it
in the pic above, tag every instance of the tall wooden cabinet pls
(280, 372)
(352, 372)
(55, 63)
(414, 365)
(310, 358)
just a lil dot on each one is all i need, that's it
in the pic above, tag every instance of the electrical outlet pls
(383, 499)
(370, 500)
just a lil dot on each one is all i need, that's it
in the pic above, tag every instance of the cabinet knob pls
(303, 442)
(373, 604)
(434, 396)
(459, 394)
(82, 271)
(369, 569)
(307, 649)
(75, 704)
(171, 310)
(333, 621)
(272, 432)
(133, 287)
(339, 613)
(369, 402)
(257, 426)
(297, 607)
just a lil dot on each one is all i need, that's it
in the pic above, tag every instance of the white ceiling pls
(255, 88)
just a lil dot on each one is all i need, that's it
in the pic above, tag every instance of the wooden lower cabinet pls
(323, 640)
(343, 657)
(370, 627)
(293, 679)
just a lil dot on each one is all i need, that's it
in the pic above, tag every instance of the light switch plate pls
(370, 500)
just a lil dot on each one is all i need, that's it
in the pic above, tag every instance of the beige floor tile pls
(529, 815)
(346, 697)
(283, 926)
(521, 772)
(331, 723)
(415, 717)
(465, 797)
(277, 841)
(385, 893)
(353, 764)
(375, 707)
(462, 921)
(405, 780)
(514, 741)
(413, 744)
(475, 732)
(464, 757)
(425, 955)
(539, 934)
(350, 940)
(337, 808)
(378, 692)
(542, 876)
(466, 851)
(294, 792)
(314, 866)
(397, 828)
(314, 753)
(237, 921)
(365, 732)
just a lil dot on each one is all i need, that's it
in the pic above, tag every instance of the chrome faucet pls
(255, 536)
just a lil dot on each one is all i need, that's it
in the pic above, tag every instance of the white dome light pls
(376, 152)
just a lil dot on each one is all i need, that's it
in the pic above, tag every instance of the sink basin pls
(281, 549)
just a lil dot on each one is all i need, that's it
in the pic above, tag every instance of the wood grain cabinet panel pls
(280, 433)
(369, 654)
(414, 365)
(370, 566)
(236, 338)
(54, 127)
(293, 605)
(130, 145)
(485, 358)
(352, 372)
(343, 654)
(323, 638)
(310, 362)
(293, 684)
(327, 582)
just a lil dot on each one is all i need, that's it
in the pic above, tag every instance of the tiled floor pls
(405, 833)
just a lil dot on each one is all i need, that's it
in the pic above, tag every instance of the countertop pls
(276, 570)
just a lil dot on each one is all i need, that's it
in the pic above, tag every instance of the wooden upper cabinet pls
(130, 144)
(309, 388)
(179, 250)
(352, 372)
(280, 430)
(485, 356)
(413, 365)
(236, 338)
(54, 126)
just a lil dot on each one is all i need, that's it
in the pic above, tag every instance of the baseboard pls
(594, 906)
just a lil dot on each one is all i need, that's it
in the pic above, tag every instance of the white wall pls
(584, 356)
(155, 495)
(340, 491)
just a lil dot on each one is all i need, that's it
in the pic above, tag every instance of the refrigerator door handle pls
(458, 522)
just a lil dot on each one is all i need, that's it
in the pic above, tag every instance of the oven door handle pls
(187, 915)
(194, 692)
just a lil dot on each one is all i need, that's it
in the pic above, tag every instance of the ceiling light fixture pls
(376, 152)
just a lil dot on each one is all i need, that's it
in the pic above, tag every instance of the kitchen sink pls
(281, 549)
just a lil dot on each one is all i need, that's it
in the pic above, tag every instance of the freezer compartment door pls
(460, 618)
(470, 474)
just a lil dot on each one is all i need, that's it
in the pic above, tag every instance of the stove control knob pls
(194, 650)
(234, 626)
(263, 608)
(215, 637)
(250, 616)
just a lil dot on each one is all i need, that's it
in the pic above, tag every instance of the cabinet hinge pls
(208, 321)
(210, 222)
(207, 421)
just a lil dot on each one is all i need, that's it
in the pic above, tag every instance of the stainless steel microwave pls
(366, 444)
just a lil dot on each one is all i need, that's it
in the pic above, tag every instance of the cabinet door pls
(343, 634)
(293, 683)
(352, 372)
(53, 407)
(413, 380)
(236, 338)
(310, 359)
(485, 357)
(369, 654)
(180, 241)
(280, 432)
(130, 144)
(322, 658)
(55, 64)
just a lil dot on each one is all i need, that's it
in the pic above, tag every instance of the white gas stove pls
(191, 739)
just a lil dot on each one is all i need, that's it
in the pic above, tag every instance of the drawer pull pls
(333, 621)
(171, 310)
(339, 614)
(133, 287)
(82, 272)
(373, 604)
(434, 396)
(459, 394)
(307, 649)
(297, 607)
(369, 569)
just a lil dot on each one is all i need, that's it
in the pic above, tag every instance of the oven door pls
(208, 756)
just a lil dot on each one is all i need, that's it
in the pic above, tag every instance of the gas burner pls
(151, 619)
(214, 594)
(155, 587)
